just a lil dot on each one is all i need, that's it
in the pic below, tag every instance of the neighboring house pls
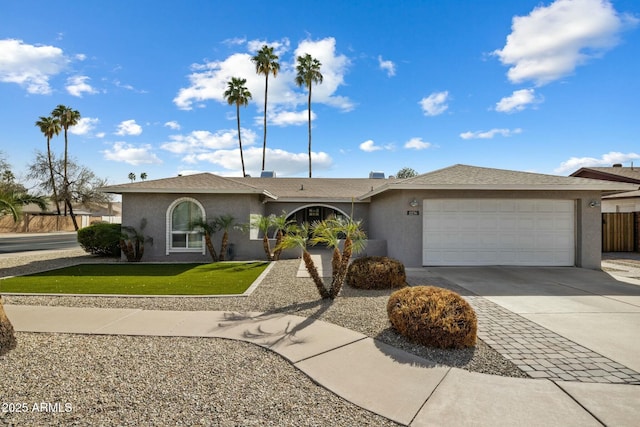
(620, 202)
(620, 211)
(460, 215)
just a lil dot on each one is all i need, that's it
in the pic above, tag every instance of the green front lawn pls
(140, 279)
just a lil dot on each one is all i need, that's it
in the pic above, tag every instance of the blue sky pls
(527, 85)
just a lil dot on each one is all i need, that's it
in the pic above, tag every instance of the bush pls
(101, 239)
(433, 316)
(376, 272)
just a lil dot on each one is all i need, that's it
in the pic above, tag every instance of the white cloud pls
(435, 104)
(208, 80)
(608, 159)
(490, 133)
(85, 126)
(123, 152)
(172, 125)
(387, 66)
(369, 146)
(283, 162)
(203, 141)
(77, 85)
(30, 66)
(129, 127)
(518, 101)
(288, 118)
(553, 40)
(333, 69)
(280, 47)
(417, 144)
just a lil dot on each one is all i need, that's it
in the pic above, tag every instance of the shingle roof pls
(198, 183)
(627, 195)
(455, 177)
(623, 174)
(315, 188)
(464, 177)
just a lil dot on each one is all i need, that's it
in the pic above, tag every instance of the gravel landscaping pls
(159, 380)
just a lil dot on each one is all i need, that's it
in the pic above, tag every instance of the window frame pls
(170, 232)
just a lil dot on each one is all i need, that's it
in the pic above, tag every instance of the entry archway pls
(315, 212)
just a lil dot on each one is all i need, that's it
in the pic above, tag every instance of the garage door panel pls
(498, 232)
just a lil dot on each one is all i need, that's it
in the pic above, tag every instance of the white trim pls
(168, 226)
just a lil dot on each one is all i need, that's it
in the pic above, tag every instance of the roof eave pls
(610, 189)
(113, 190)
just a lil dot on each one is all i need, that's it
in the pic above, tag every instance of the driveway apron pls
(560, 323)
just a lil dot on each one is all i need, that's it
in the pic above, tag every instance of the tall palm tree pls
(266, 63)
(68, 117)
(308, 72)
(238, 94)
(50, 126)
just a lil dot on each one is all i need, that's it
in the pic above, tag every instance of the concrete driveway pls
(589, 307)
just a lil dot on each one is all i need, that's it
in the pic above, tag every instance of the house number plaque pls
(413, 212)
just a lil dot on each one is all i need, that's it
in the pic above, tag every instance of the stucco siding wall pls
(154, 207)
(389, 221)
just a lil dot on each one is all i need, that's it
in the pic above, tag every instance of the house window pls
(182, 236)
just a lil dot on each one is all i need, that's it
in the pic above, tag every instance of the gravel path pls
(151, 380)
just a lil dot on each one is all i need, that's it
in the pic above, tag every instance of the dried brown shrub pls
(7, 335)
(376, 272)
(433, 316)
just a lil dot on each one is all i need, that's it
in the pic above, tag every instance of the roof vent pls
(376, 175)
(267, 174)
(617, 165)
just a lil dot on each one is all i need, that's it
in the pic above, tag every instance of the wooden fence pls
(620, 232)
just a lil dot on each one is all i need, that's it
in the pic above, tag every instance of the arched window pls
(181, 235)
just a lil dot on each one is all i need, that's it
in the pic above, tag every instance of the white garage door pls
(498, 232)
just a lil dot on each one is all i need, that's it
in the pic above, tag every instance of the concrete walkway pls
(390, 382)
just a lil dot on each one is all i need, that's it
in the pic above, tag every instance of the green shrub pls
(433, 316)
(101, 239)
(376, 272)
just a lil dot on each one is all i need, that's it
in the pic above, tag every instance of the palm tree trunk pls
(309, 114)
(278, 250)
(73, 217)
(266, 247)
(336, 262)
(53, 182)
(313, 272)
(223, 246)
(7, 334)
(264, 140)
(65, 180)
(240, 139)
(210, 248)
(336, 286)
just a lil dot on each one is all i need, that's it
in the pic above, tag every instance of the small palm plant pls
(298, 237)
(329, 232)
(282, 225)
(225, 223)
(354, 242)
(132, 241)
(208, 229)
(264, 224)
